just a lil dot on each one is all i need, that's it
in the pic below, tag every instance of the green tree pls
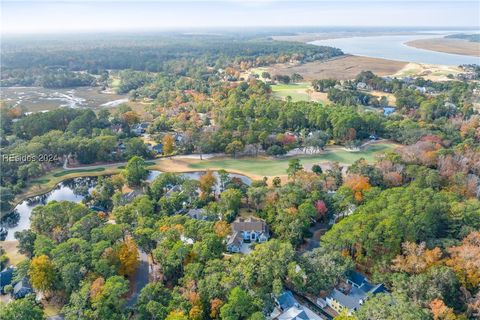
(25, 309)
(26, 241)
(135, 171)
(153, 302)
(324, 268)
(240, 305)
(108, 303)
(234, 147)
(6, 200)
(386, 306)
(230, 201)
(294, 166)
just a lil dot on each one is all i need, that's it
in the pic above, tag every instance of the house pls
(198, 214)
(121, 146)
(22, 288)
(363, 86)
(139, 128)
(247, 230)
(158, 148)
(6, 277)
(287, 308)
(353, 293)
(116, 128)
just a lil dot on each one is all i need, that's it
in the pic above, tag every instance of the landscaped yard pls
(296, 91)
(273, 167)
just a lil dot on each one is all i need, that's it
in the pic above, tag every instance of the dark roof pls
(286, 300)
(22, 288)
(357, 278)
(6, 277)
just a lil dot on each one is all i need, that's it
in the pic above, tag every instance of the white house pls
(247, 230)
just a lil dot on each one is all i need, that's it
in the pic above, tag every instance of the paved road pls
(141, 278)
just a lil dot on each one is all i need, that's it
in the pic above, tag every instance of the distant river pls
(394, 48)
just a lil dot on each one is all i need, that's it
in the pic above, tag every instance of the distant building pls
(22, 288)
(248, 230)
(353, 293)
(158, 148)
(139, 128)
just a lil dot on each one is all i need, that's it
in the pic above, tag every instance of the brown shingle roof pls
(249, 224)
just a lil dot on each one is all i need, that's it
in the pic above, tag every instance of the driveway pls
(141, 278)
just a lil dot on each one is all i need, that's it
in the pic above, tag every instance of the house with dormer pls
(247, 230)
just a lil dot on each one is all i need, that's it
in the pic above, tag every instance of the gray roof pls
(235, 239)
(22, 287)
(353, 297)
(293, 313)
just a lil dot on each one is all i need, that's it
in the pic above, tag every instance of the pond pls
(394, 48)
(75, 190)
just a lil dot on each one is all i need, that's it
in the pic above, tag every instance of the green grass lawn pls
(285, 90)
(63, 173)
(273, 167)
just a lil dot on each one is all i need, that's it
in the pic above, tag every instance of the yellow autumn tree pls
(42, 273)
(176, 315)
(222, 228)
(168, 144)
(128, 257)
(195, 313)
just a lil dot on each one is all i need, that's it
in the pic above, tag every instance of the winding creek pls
(75, 190)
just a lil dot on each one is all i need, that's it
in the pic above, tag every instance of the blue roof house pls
(353, 294)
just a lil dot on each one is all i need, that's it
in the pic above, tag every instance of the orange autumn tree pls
(215, 306)
(440, 311)
(465, 260)
(416, 258)
(207, 182)
(96, 288)
(128, 257)
(358, 184)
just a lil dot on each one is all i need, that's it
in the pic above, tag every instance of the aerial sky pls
(18, 16)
